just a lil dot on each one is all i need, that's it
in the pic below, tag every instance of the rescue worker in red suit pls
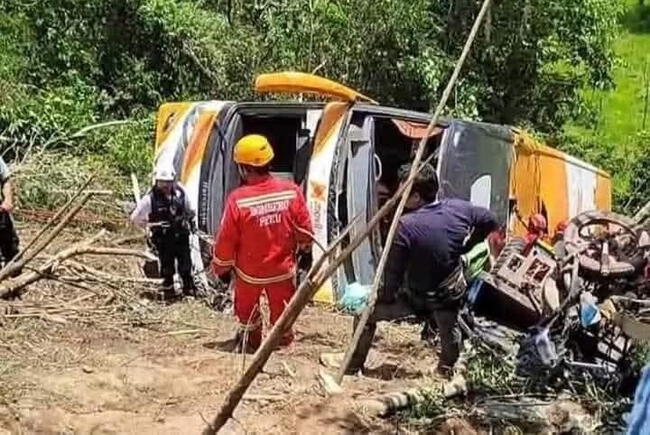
(536, 230)
(265, 224)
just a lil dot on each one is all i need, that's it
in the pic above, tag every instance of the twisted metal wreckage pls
(576, 311)
(580, 305)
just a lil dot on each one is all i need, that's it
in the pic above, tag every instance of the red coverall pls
(536, 230)
(258, 238)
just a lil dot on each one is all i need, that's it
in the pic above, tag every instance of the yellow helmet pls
(253, 150)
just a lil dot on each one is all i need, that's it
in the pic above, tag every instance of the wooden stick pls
(400, 208)
(85, 130)
(108, 276)
(46, 227)
(316, 277)
(13, 286)
(128, 239)
(9, 269)
(35, 274)
(642, 214)
(99, 192)
(135, 186)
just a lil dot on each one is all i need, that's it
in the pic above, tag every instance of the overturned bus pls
(346, 153)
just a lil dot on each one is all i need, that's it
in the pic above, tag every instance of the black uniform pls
(171, 226)
(8, 236)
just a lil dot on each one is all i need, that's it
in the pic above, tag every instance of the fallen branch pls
(128, 239)
(85, 130)
(189, 51)
(65, 138)
(100, 192)
(14, 267)
(46, 227)
(263, 397)
(185, 332)
(14, 286)
(108, 276)
(643, 214)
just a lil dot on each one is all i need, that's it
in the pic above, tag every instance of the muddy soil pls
(166, 375)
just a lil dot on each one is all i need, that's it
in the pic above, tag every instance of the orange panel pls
(603, 193)
(539, 182)
(554, 189)
(525, 189)
(332, 115)
(168, 116)
(198, 142)
(524, 181)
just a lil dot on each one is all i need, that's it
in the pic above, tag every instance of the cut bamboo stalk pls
(10, 265)
(7, 271)
(365, 316)
(316, 277)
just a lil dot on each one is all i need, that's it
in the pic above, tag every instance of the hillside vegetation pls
(615, 130)
(541, 64)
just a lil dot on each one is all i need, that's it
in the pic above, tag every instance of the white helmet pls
(164, 174)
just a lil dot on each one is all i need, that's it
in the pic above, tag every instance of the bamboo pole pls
(306, 291)
(28, 256)
(400, 208)
(43, 230)
(316, 277)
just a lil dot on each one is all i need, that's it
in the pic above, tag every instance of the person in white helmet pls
(165, 209)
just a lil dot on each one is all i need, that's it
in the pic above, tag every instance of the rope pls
(415, 168)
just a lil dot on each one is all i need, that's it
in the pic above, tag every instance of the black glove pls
(304, 260)
(4, 219)
(225, 278)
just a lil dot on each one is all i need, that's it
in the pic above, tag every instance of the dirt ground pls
(114, 362)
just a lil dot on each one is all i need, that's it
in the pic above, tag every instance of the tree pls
(79, 61)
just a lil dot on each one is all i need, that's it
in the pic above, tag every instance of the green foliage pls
(65, 64)
(641, 355)
(49, 114)
(613, 130)
(142, 52)
(628, 164)
(46, 180)
(127, 147)
(539, 56)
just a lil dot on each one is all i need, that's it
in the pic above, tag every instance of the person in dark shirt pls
(427, 248)
(8, 237)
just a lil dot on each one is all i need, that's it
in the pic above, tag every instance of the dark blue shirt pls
(430, 241)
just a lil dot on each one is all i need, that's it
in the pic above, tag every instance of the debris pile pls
(45, 257)
(565, 323)
(557, 335)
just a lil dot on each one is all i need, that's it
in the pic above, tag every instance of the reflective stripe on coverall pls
(258, 239)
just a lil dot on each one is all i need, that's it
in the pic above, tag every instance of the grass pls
(620, 112)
